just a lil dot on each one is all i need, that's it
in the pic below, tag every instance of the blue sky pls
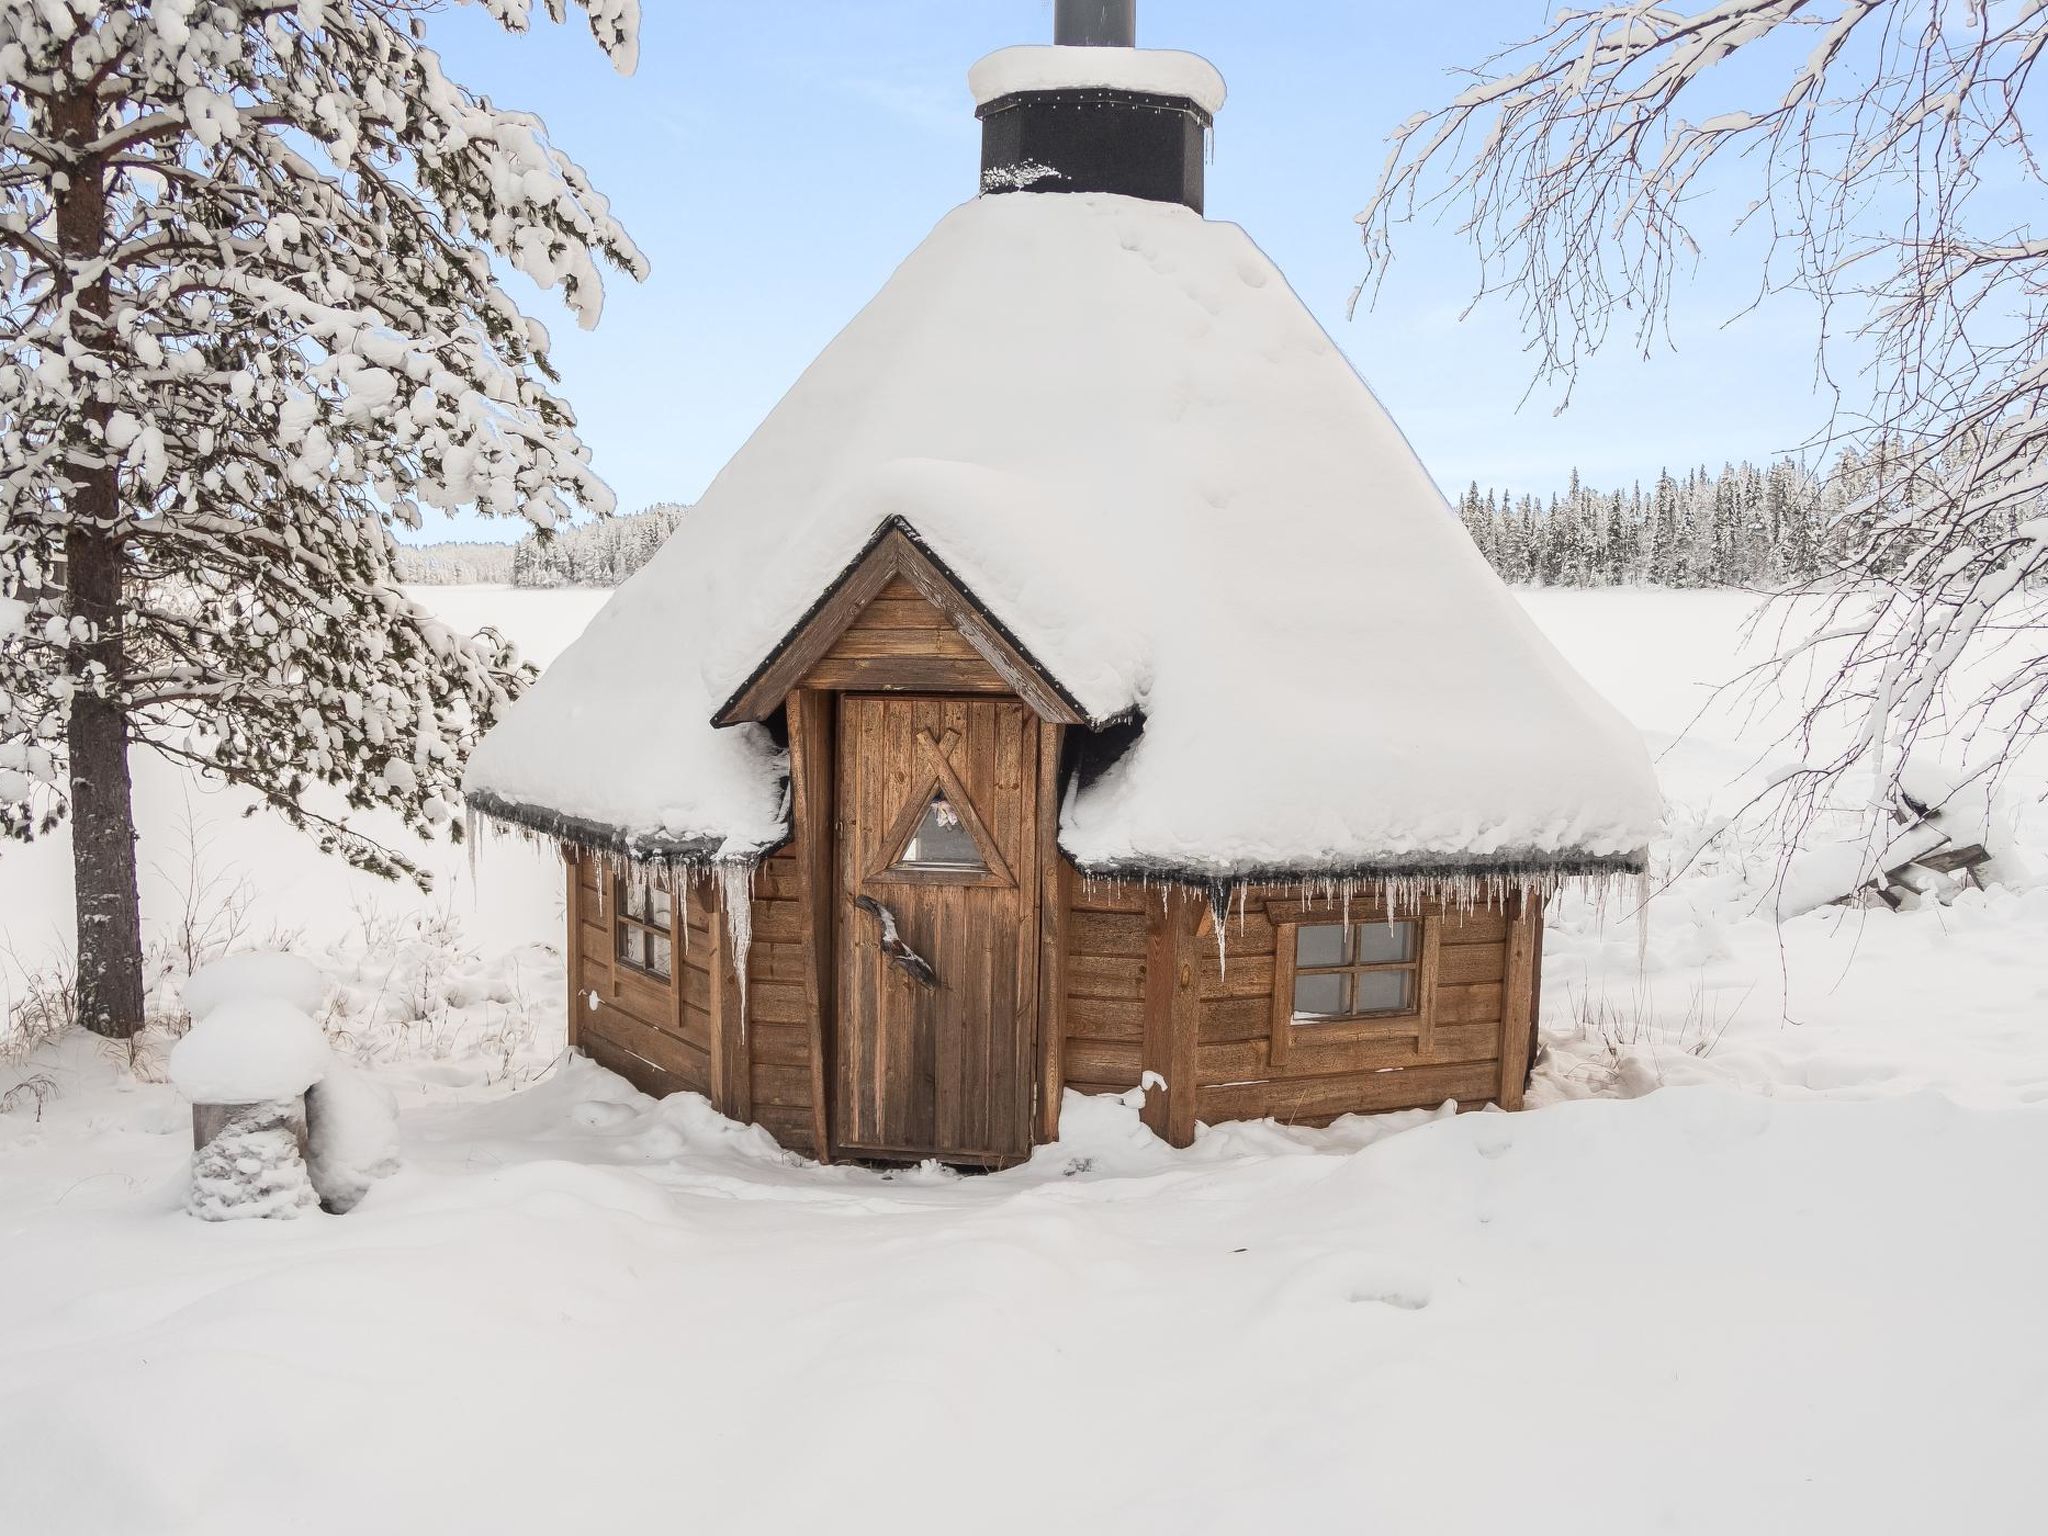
(776, 160)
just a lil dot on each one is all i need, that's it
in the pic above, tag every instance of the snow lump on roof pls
(1123, 431)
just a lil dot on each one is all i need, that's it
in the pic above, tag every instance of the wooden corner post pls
(1519, 1002)
(1172, 1011)
(572, 953)
(811, 768)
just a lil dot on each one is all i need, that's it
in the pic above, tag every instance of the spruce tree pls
(250, 322)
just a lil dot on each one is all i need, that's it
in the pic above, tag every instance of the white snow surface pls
(288, 978)
(1764, 1256)
(249, 1050)
(1043, 67)
(1123, 431)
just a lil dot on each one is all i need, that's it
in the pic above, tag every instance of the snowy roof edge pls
(596, 836)
(1515, 866)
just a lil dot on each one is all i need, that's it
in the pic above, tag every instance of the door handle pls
(913, 965)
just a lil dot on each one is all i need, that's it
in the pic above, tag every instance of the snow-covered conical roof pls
(1119, 427)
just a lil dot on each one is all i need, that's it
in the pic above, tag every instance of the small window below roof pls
(643, 925)
(1366, 970)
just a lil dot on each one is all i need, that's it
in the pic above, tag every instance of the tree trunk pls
(110, 990)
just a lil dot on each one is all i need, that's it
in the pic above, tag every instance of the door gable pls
(894, 558)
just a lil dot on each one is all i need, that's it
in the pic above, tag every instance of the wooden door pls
(938, 838)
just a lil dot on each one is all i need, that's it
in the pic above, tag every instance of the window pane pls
(1384, 992)
(941, 841)
(631, 950)
(659, 907)
(657, 955)
(1319, 944)
(636, 899)
(1385, 943)
(1318, 996)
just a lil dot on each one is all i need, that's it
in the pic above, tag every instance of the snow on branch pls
(1876, 143)
(248, 322)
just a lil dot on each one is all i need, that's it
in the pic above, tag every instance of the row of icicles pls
(1389, 897)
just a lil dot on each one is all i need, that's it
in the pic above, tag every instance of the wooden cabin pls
(1075, 686)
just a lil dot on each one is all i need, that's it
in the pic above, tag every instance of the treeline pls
(1746, 526)
(596, 554)
(455, 565)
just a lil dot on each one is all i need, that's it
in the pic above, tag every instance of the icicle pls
(1219, 914)
(736, 895)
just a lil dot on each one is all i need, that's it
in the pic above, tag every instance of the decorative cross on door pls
(939, 836)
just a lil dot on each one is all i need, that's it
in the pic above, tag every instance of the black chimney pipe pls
(1095, 23)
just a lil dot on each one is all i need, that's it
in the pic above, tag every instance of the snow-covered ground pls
(1794, 1290)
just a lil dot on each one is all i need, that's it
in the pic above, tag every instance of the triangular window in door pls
(938, 835)
(942, 842)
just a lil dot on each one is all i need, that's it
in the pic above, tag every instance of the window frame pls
(1417, 1021)
(624, 923)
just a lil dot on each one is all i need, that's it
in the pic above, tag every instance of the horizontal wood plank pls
(779, 1045)
(1103, 1061)
(1114, 935)
(1247, 1060)
(906, 675)
(1237, 1018)
(781, 1087)
(679, 1058)
(1367, 1093)
(1480, 1003)
(776, 1002)
(1106, 1018)
(865, 641)
(1462, 964)
(1097, 976)
(644, 1075)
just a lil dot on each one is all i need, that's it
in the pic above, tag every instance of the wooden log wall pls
(645, 1031)
(1475, 1048)
(691, 1035)
(1103, 988)
(898, 642)
(1139, 986)
(1454, 1053)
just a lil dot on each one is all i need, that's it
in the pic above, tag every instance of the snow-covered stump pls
(246, 1064)
(250, 1161)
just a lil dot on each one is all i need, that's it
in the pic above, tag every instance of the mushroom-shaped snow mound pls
(250, 1050)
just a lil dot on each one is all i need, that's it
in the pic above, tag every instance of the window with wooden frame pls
(1339, 977)
(643, 918)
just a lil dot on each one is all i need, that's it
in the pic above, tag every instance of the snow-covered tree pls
(250, 320)
(1884, 145)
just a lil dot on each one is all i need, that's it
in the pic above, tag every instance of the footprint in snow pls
(1406, 1297)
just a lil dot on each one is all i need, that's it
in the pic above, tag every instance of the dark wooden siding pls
(639, 1027)
(902, 643)
(778, 1020)
(1104, 987)
(1321, 1079)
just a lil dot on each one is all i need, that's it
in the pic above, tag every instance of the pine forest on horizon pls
(1748, 526)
